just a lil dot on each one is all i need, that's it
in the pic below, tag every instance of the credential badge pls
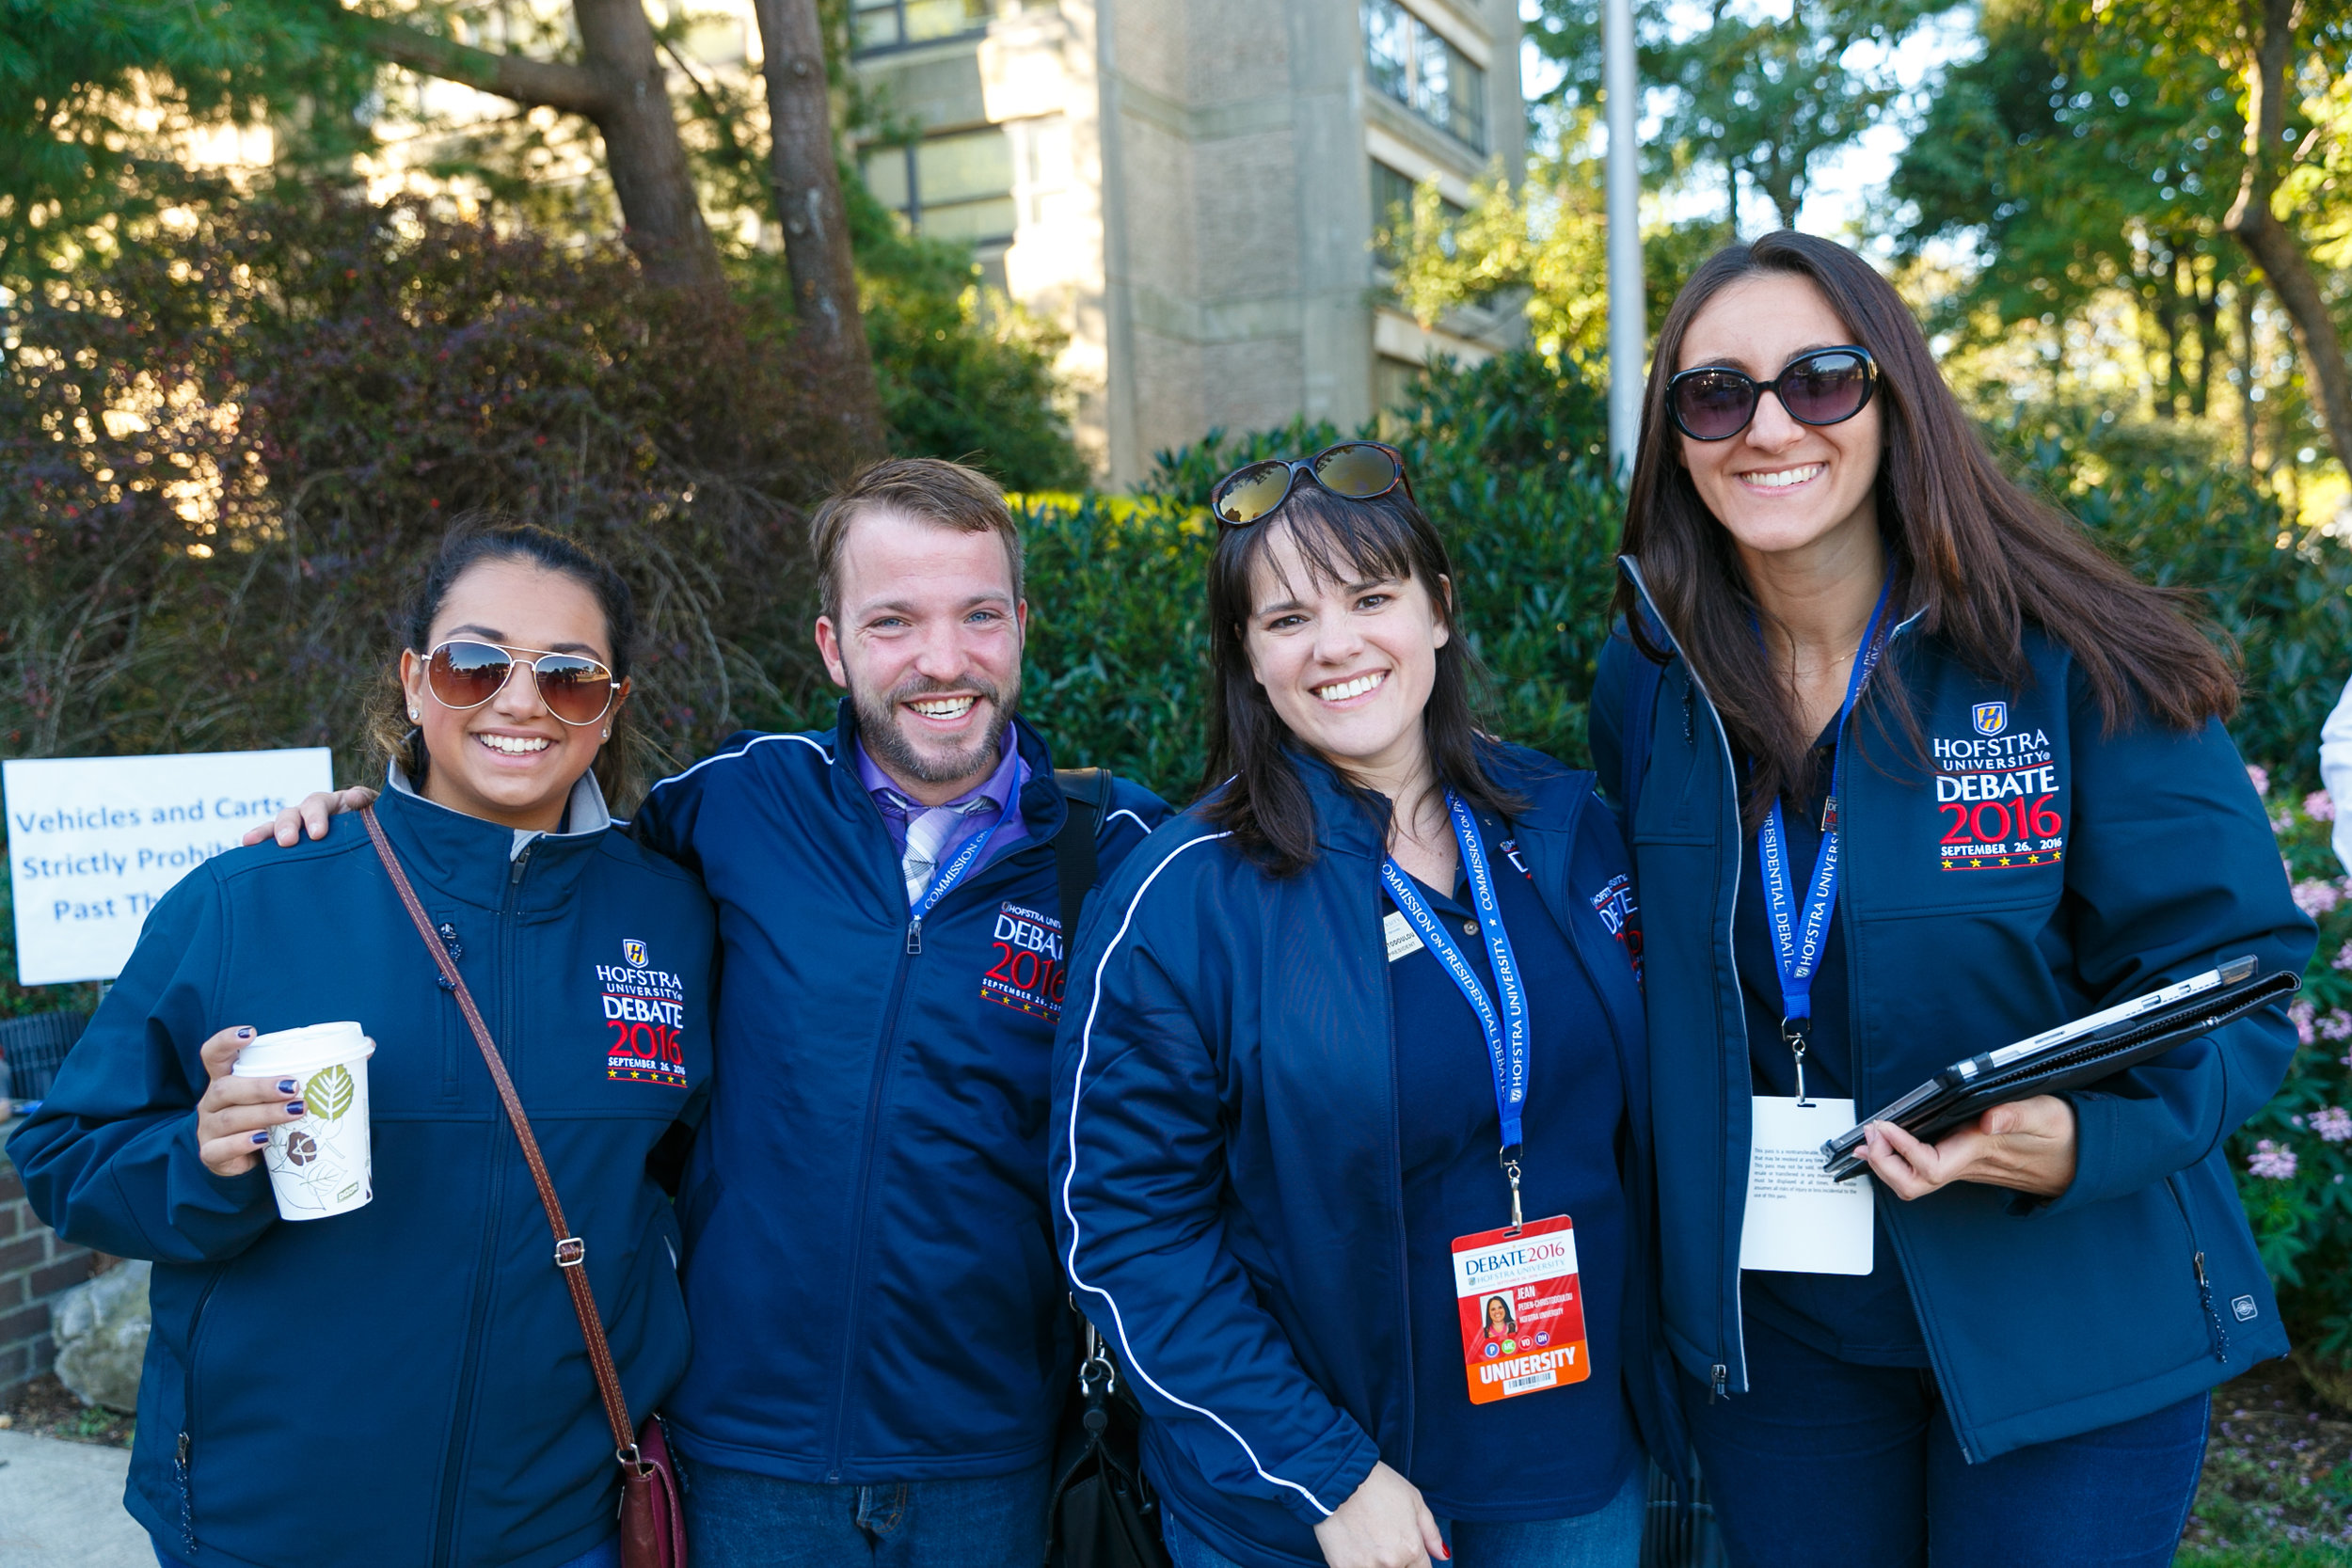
(634, 951)
(1992, 717)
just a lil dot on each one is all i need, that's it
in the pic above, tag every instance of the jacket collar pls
(1344, 826)
(1657, 622)
(476, 861)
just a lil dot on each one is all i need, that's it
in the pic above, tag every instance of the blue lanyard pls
(967, 855)
(1799, 931)
(1506, 1030)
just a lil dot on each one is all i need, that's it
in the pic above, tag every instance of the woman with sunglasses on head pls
(407, 1382)
(1363, 1025)
(1911, 771)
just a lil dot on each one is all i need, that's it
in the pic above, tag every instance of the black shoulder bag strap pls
(1088, 793)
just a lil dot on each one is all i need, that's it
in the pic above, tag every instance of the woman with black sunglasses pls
(1911, 771)
(404, 1381)
(1350, 1147)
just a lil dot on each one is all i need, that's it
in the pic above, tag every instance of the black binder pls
(2070, 1055)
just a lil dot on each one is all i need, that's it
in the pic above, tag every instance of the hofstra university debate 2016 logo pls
(645, 1009)
(1992, 717)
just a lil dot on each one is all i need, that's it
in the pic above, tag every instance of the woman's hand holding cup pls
(233, 1120)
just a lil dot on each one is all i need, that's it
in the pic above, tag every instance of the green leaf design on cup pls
(328, 1094)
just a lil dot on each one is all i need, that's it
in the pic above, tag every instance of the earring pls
(412, 716)
(608, 735)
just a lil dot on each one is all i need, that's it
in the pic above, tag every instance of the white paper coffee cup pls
(321, 1163)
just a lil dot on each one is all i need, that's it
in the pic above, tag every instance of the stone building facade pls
(1190, 188)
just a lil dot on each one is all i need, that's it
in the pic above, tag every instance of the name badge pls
(1401, 938)
(1522, 1313)
(1797, 1220)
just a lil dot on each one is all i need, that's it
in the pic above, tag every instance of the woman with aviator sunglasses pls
(1911, 771)
(1351, 1053)
(406, 1382)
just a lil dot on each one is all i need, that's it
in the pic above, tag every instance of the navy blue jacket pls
(2036, 868)
(1228, 1195)
(869, 1262)
(404, 1384)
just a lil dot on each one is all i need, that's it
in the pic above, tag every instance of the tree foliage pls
(1760, 91)
(225, 451)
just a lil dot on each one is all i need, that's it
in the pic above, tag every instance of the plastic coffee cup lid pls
(302, 1050)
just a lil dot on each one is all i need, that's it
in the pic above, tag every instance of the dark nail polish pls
(294, 1107)
(286, 1086)
(261, 1137)
(245, 1034)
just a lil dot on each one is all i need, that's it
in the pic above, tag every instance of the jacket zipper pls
(2217, 1334)
(1719, 1372)
(182, 1448)
(1397, 1171)
(461, 1428)
(885, 1048)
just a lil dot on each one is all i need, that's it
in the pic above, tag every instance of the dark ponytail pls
(471, 541)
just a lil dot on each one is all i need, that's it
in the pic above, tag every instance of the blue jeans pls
(1609, 1537)
(1828, 1462)
(739, 1520)
(606, 1556)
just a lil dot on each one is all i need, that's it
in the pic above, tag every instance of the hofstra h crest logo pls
(1992, 717)
(634, 951)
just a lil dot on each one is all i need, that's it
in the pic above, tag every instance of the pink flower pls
(2274, 1162)
(2333, 1123)
(2319, 806)
(2261, 776)
(2315, 897)
(2302, 1012)
(2336, 1024)
(2342, 958)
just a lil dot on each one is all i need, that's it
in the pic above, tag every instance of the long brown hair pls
(1974, 554)
(1252, 787)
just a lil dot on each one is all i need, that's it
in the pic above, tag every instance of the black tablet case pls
(1966, 1089)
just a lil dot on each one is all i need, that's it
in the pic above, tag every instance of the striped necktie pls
(927, 832)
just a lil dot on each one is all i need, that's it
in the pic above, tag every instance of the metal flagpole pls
(1628, 336)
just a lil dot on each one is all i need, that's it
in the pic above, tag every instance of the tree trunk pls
(2168, 321)
(643, 154)
(1731, 183)
(2247, 407)
(619, 89)
(2275, 248)
(816, 221)
(2206, 295)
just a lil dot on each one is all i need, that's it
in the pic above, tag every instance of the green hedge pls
(1507, 459)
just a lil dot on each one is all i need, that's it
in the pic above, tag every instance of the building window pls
(1407, 60)
(1393, 212)
(957, 187)
(888, 23)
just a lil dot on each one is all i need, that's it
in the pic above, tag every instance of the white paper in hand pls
(1799, 1221)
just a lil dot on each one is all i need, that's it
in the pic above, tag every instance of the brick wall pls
(35, 1265)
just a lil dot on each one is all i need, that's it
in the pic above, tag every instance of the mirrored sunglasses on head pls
(1356, 470)
(1823, 387)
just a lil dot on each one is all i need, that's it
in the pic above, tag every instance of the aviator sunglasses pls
(1828, 386)
(1359, 470)
(464, 673)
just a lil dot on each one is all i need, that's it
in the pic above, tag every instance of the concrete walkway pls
(61, 1506)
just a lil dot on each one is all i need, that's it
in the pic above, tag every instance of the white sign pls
(93, 842)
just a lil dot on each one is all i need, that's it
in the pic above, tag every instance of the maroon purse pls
(653, 1527)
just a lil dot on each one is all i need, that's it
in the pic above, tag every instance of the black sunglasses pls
(1359, 470)
(1829, 386)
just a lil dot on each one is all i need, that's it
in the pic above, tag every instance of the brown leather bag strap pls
(571, 1253)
